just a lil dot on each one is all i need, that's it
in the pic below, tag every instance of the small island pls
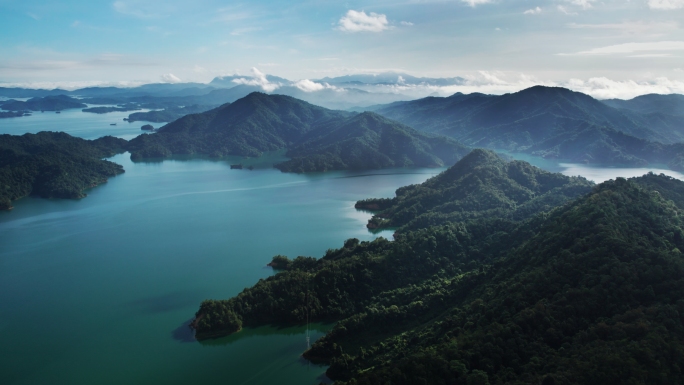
(105, 110)
(147, 127)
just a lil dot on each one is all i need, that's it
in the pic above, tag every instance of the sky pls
(600, 47)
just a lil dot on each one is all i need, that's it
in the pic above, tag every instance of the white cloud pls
(406, 23)
(355, 21)
(474, 3)
(307, 85)
(628, 48)
(199, 69)
(604, 88)
(170, 78)
(533, 11)
(258, 79)
(666, 4)
(584, 4)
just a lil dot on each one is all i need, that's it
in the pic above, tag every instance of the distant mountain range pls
(316, 138)
(554, 122)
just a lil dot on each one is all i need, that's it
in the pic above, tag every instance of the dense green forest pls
(587, 292)
(555, 123)
(47, 103)
(481, 185)
(367, 141)
(168, 114)
(54, 165)
(316, 138)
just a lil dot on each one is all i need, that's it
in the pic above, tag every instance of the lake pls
(100, 290)
(77, 123)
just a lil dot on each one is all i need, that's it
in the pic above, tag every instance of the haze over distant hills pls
(317, 139)
(552, 122)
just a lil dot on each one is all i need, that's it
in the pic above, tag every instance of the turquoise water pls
(100, 290)
(77, 123)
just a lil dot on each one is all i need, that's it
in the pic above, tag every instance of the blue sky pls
(506, 42)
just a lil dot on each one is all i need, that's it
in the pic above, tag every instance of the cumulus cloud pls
(474, 3)
(666, 4)
(584, 4)
(499, 82)
(307, 85)
(533, 11)
(604, 88)
(170, 78)
(259, 79)
(406, 23)
(355, 21)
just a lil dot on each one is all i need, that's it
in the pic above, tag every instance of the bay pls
(100, 290)
(85, 125)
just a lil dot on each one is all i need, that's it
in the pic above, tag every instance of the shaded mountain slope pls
(550, 122)
(481, 185)
(370, 141)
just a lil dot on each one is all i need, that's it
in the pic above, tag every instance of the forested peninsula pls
(54, 165)
(589, 291)
(481, 185)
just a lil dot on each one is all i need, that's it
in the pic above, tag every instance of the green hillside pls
(551, 122)
(481, 185)
(587, 293)
(368, 141)
(54, 165)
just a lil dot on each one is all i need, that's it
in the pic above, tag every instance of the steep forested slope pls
(54, 165)
(370, 141)
(481, 185)
(587, 293)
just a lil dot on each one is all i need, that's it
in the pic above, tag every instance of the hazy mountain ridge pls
(546, 121)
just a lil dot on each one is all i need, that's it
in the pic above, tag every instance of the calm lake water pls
(77, 123)
(100, 290)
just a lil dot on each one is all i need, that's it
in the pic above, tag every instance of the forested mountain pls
(248, 127)
(672, 104)
(318, 139)
(587, 293)
(369, 141)
(547, 121)
(54, 165)
(481, 185)
(47, 103)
